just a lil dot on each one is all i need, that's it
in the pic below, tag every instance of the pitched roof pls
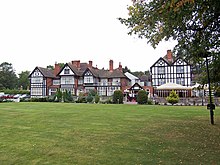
(145, 77)
(131, 76)
(47, 72)
(171, 86)
(116, 73)
(101, 73)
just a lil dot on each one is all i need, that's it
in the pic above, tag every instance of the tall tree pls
(8, 78)
(195, 25)
(23, 81)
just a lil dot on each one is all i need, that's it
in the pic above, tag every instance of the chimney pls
(56, 69)
(120, 66)
(111, 65)
(76, 63)
(90, 64)
(169, 56)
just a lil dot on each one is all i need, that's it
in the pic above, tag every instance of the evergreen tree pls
(142, 97)
(173, 98)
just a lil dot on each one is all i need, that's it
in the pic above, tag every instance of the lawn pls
(65, 133)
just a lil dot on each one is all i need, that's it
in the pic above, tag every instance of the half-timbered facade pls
(40, 81)
(170, 70)
(77, 77)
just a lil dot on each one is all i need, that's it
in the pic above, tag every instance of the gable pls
(160, 62)
(36, 73)
(136, 86)
(66, 70)
(88, 73)
(179, 62)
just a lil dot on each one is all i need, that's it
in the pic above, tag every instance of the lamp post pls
(210, 106)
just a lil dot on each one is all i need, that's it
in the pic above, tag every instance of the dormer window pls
(66, 71)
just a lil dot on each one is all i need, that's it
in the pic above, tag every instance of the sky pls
(42, 32)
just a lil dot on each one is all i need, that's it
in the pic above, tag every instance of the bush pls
(81, 99)
(67, 96)
(150, 102)
(25, 99)
(142, 97)
(58, 96)
(97, 99)
(118, 97)
(35, 99)
(89, 99)
(173, 98)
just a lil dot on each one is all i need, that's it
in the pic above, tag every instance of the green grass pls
(59, 133)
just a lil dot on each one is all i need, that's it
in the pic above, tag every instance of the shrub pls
(142, 97)
(97, 99)
(150, 102)
(81, 99)
(89, 99)
(173, 98)
(92, 92)
(118, 97)
(67, 96)
(35, 99)
(58, 96)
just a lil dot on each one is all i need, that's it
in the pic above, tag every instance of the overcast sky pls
(42, 32)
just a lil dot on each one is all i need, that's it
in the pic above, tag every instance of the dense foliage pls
(8, 78)
(142, 97)
(195, 25)
(118, 97)
(173, 98)
(23, 80)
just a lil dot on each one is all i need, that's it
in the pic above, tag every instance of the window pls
(88, 79)
(161, 70)
(80, 81)
(180, 69)
(37, 80)
(56, 82)
(36, 92)
(104, 82)
(102, 91)
(66, 71)
(180, 81)
(67, 80)
(161, 81)
(116, 81)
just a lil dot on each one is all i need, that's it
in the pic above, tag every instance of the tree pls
(51, 67)
(195, 25)
(58, 96)
(138, 73)
(126, 69)
(142, 97)
(97, 98)
(23, 81)
(8, 78)
(118, 97)
(173, 98)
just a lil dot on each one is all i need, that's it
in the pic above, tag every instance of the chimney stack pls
(56, 69)
(90, 64)
(169, 56)
(76, 63)
(120, 67)
(111, 65)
